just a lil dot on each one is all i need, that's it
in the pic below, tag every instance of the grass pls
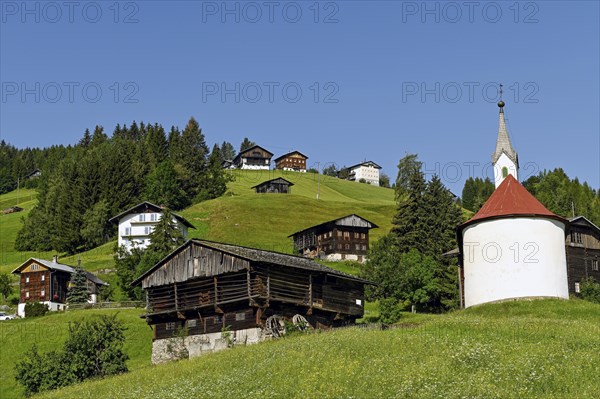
(50, 332)
(538, 349)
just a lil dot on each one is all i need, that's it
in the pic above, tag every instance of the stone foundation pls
(169, 349)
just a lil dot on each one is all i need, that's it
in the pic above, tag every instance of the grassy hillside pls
(50, 332)
(241, 217)
(538, 349)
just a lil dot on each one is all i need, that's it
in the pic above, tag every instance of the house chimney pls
(55, 259)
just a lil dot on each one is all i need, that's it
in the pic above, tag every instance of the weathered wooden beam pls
(216, 293)
(176, 299)
(250, 300)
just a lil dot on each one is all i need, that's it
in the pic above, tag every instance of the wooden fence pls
(107, 305)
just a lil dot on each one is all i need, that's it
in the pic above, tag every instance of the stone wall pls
(169, 349)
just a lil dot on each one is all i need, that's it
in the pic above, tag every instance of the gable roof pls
(579, 220)
(148, 205)
(288, 154)
(281, 181)
(511, 199)
(254, 255)
(366, 163)
(340, 222)
(241, 154)
(57, 266)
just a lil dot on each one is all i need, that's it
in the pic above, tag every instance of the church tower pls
(504, 159)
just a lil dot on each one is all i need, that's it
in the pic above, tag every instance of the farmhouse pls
(338, 239)
(513, 247)
(255, 157)
(136, 224)
(204, 288)
(583, 252)
(367, 171)
(47, 282)
(294, 161)
(278, 185)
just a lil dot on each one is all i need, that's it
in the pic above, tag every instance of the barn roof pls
(511, 199)
(288, 154)
(255, 255)
(241, 154)
(148, 205)
(279, 180)
(57, 266)
(582, 220)
(340, 221)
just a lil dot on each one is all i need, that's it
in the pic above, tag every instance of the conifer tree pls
(164, 187)
(214, 183)
(246, 143)
(86, 140)
(77, 291)
(166, 234)
(227, 151)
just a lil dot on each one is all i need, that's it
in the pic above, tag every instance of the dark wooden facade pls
(207, 286)
(255, 156)
(348, 235)
(278, 186)
(294, 161)
(45, 281)
(583, 252)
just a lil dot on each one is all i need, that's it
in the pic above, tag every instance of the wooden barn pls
(583, 252)
(278, 186)
(338, 239)
(204, 288)
(294, 161)
(48, 281)
(254, 157)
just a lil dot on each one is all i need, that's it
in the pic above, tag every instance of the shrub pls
(94, 349)
(390, 310)
(590, 290)
(35, 309)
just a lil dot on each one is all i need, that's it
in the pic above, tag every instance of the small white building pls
(367, 171)
(513, 247)
(136, 224)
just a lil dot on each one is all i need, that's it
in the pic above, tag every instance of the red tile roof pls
(511, 199)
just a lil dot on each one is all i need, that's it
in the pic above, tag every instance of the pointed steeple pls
(503, 143)
(505, 159)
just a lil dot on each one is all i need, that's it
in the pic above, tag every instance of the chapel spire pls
(505, 158)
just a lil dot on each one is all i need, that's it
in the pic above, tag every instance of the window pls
(27, 279)
(504, 171)
(43, 293)
(356, 235)
(364, 247)
(357, 246)
(240, 316)
(142, 218)
(363, 236)
(595, 264)
(339, 233)
(339, 246)
(576, 237)
(127, 231)
(35, 267)
(147, 230)
(43, 277)
(347, 246)
(346, 234)
(192, 323)
(170, 326)
(577, 287)
(153, 217)
(26, 294)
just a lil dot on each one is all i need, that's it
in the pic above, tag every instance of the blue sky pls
(340, 81)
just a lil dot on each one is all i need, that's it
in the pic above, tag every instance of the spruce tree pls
(166, 234)
(214, 183)
(227, 151)
(246, 143)
(164, 187)
(77, 291)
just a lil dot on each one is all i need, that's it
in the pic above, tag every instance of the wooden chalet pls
(254, 157)
(583, 252)
(206, 287)
(292, 161)
(279, 186)
(48, 281)
(338, 239)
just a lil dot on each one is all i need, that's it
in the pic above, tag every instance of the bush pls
(94, 349)
(590, 290)
(35, 309)
(390, 310)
